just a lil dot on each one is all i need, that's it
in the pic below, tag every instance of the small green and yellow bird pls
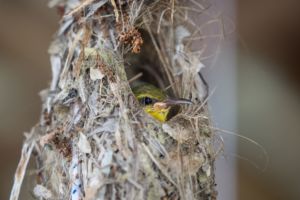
(157, 103)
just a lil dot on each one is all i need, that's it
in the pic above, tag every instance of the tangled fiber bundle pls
(93, 140)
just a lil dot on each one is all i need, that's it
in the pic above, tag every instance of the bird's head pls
(157, 103)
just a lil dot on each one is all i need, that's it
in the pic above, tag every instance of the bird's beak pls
(170, 102)
(178, 101)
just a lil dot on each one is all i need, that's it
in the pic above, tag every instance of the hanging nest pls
(94, 141)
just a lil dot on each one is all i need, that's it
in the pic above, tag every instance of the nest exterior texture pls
(93, 140)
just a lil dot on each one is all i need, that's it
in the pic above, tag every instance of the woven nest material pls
(93, 140)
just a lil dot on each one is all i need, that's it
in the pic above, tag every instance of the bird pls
(157, 103)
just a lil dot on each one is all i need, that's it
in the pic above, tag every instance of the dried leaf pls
(83, 144)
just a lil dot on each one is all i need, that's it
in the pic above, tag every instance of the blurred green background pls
(268, 70)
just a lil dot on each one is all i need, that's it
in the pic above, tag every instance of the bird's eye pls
(147, 100)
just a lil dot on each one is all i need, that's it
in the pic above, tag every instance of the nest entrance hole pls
(146, 63)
